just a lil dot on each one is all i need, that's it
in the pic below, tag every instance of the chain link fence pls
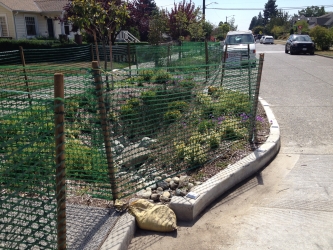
(109, 141)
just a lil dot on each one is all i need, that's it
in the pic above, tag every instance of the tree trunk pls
(96, 46)
(111, 65)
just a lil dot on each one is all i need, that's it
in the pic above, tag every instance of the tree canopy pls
(270, 10)
(313, 11)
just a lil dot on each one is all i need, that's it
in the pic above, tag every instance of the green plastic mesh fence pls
(125, 130)
(28, 207)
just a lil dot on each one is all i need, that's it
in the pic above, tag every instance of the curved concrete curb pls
(187, 209)
(121, 235)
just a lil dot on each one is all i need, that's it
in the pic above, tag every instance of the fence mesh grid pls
(161, 120)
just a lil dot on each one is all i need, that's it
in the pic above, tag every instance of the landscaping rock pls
(163, 184)
(133, 155)
(155, 197)
(173, 185)
(166, 194)
(190, 185)
(146, 195)
(159, 189)
(168, 180)
(180, 192)
(146, 142)
(158, 178)
(175, 179)
(183, 181)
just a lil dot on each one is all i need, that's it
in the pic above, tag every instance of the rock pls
(155, 197)
(160, 189)
(180, 192)
(150, 184)
(173, 185)
(183, 181)
(133, 155)
(164, 176)
(166, 194)
(168, 180)
(164, 199)
(146, 195)
(190, 185)
(197, 183)
(140, 193)
(163, 184)
(146, 142)
(175, 179)
(142, 171)
(117, 147)
(123, 140)
(158, 178)
(148, 189)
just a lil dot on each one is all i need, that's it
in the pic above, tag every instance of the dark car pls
(299, 44)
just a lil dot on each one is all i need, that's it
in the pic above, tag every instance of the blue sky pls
(244, 17)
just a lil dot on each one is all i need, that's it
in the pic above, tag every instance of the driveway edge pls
(187, 209)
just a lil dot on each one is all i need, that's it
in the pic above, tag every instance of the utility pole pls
(203, 9)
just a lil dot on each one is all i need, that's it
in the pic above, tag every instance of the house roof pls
(326, 20)
(51, 5)
(34, 5)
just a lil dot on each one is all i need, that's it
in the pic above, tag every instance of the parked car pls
(241, 47)
(299, 44)
(268, 39)
(262, 39)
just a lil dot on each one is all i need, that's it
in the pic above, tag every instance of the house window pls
(31, 25)
(3, 26)
(66, 26)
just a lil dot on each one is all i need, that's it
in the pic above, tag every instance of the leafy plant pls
(178, 105)
(161, 76)
(172, 116)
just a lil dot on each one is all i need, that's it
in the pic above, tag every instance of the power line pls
(279, 8)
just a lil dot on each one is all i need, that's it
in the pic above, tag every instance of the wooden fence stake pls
(252, 134)
(25, 73)
(105, 127)
(129, 57)
(60, 160)
(223, 63)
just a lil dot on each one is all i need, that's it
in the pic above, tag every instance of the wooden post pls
(252, 132)
(129, 57)
(60, 160)
(25, 73)
(105, 127)
(206, 56)
(136, 60)
(223, 63)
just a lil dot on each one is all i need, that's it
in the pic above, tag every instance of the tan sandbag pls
(158, 218)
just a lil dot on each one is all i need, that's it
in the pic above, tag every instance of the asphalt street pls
(289, 204)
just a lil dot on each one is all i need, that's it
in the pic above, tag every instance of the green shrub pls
(194, 154)
(321, 37)
(161, 76)
(178, 105)
(172, 116)
(147, 75)
(213, 140)
(205, 125)
(148, 97)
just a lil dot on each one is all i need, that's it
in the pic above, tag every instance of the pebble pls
(166, 194)
(175, 179)
(168, 179)
(190, 185)
(163, 184)
(158, 178)
(146, 195)
(160, 189)
(155, 197)
(173, 185)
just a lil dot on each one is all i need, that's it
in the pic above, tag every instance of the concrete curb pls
(121, 234)
(187, 209)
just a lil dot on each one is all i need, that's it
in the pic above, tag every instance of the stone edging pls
(187, 209)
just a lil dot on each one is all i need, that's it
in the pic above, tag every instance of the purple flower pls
(259, 118)
(220, 119)
(244, 117)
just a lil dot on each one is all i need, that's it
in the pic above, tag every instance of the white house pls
(32, 18)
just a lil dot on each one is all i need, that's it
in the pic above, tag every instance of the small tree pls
(277, 30)
(321, 37)
(305, 26)
(158, 24)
